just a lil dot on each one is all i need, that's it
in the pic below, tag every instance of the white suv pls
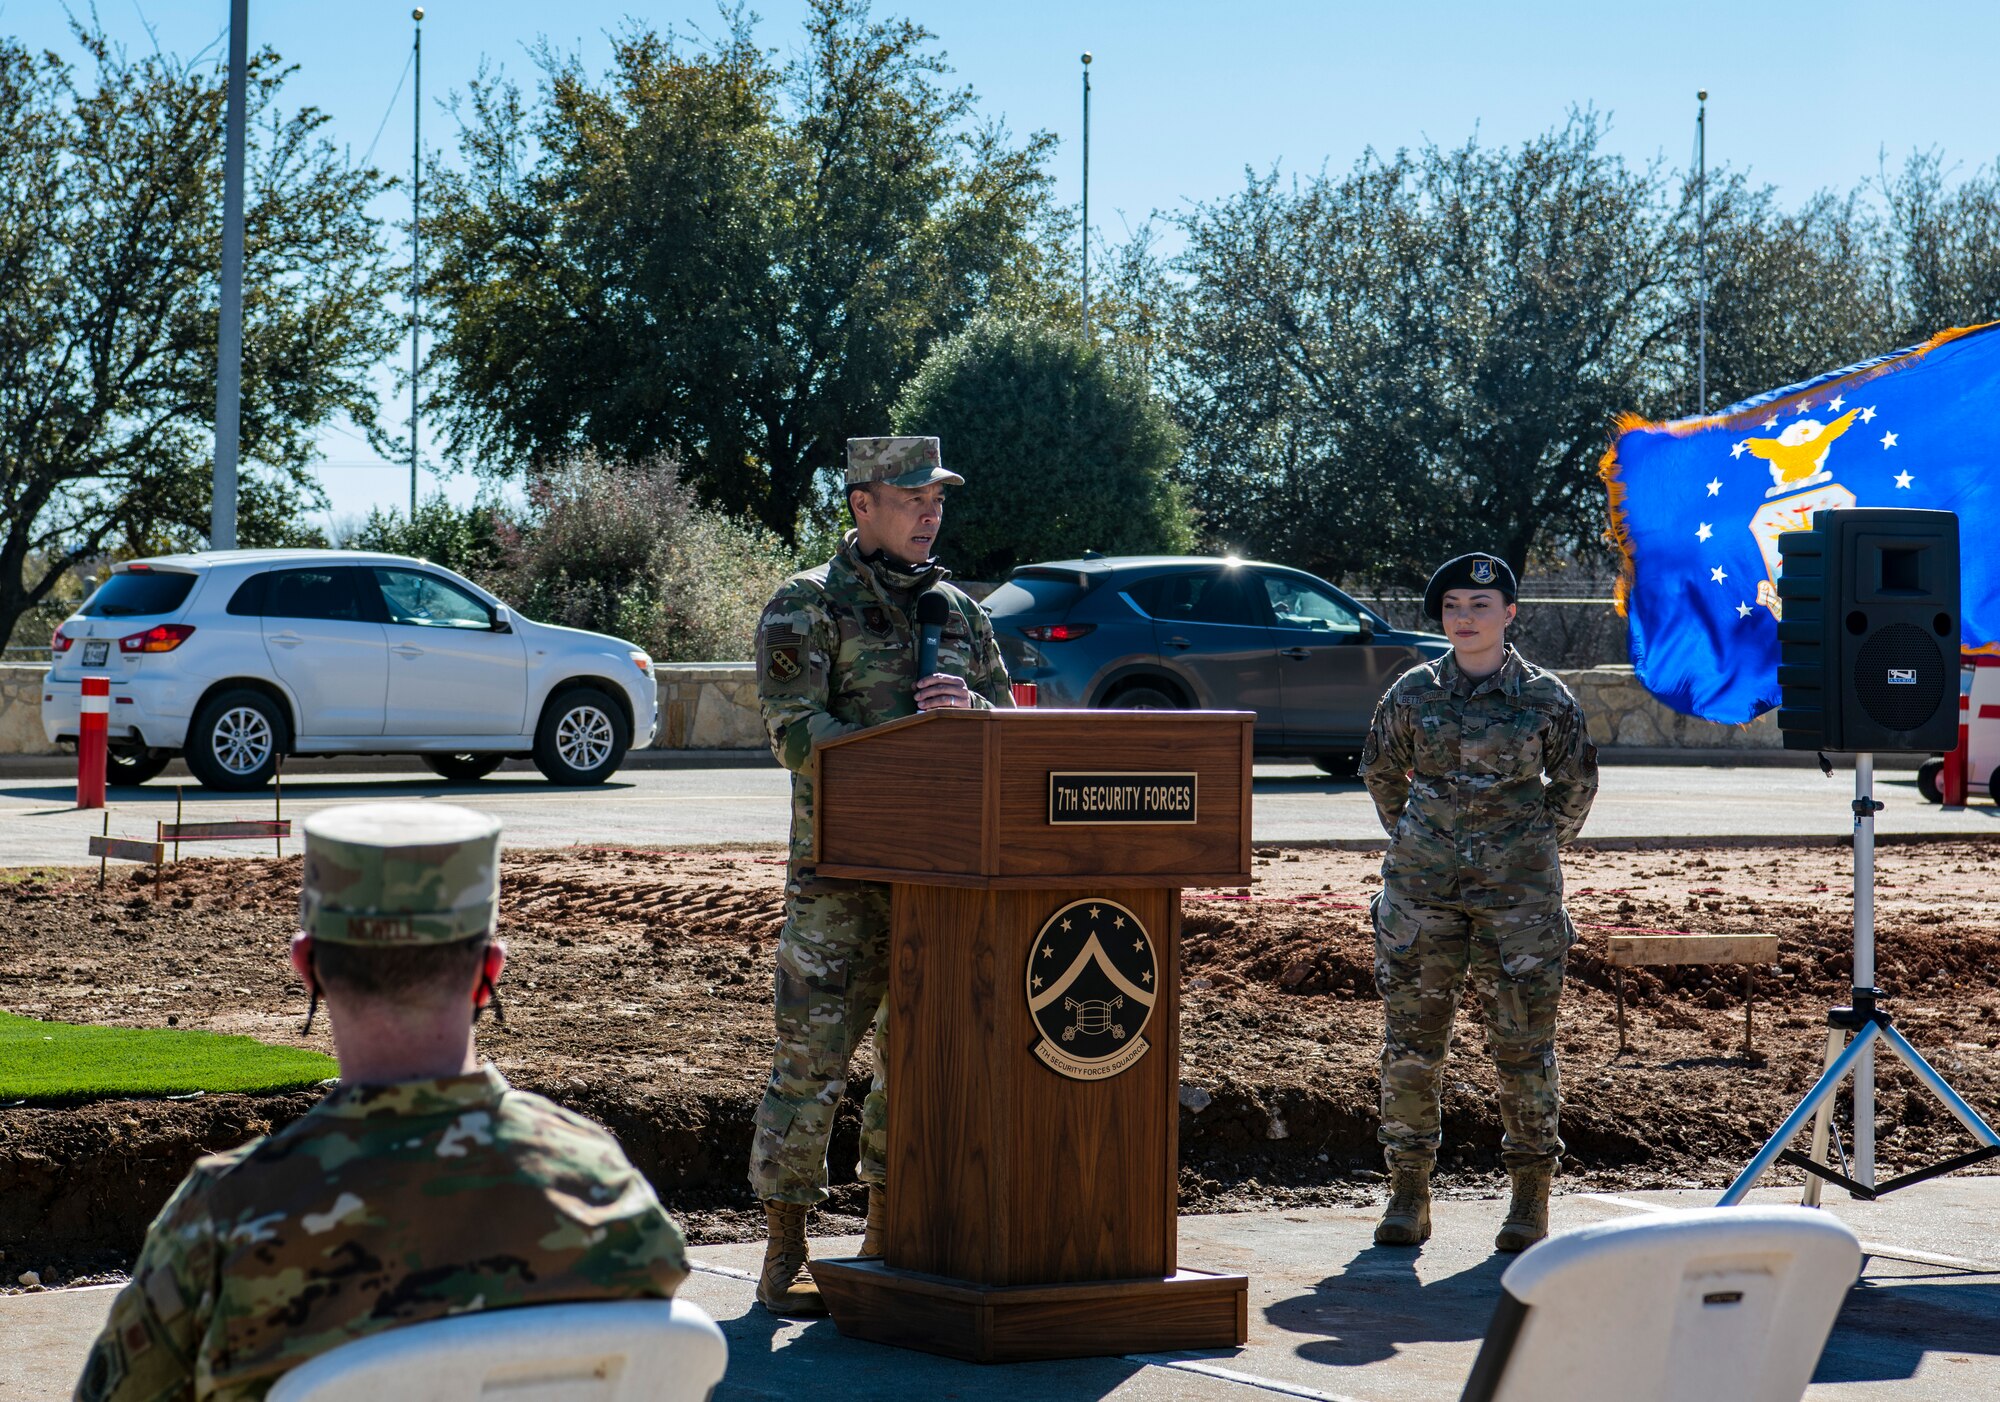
(234, 657)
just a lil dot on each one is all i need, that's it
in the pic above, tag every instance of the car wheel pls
(134, 766)
(235, 741)
(1930, 780)
(463, 769)
(1341, 766)
(582, 738)
(1993, 786)
(1143, 698)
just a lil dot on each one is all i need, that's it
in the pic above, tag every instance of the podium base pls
(1018, 1323)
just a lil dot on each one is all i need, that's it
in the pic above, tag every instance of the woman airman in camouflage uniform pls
(1481, 767)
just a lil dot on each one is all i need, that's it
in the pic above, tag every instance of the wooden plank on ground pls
(216, 832)
(1631, 951)
(128, 849)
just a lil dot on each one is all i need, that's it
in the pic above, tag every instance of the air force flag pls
(1697, 506)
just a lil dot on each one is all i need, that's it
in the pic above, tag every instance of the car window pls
(323, 592)
(1297, 602)
(1193, 596)
(430, 601)
(1032, 594)
(129, 594)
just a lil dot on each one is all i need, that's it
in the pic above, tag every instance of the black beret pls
(1467, 572)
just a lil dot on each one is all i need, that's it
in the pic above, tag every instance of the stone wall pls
(709, 706)
(713, 706)
(1623, 715)
(21, 711)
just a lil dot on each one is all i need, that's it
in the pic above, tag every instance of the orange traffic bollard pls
(91, 740)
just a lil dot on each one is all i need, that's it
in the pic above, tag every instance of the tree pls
(110, 258)
(1061, 451)
(473, 541)
(1420, 357)
(733, 264)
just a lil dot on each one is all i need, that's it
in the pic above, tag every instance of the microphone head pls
(932, 610)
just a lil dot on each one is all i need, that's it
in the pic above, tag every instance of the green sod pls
(61, 1061)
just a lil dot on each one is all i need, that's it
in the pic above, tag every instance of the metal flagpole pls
(1086, 197)
(1701, 241)
(416, 241)
(229, 333)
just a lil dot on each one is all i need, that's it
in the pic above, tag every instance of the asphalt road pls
(695, 804)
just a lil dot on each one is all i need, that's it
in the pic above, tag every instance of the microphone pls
(932, 610)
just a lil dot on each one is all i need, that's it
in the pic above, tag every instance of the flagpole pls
(1086, 197)
(416, 240)
(1701, 242)
(229, 330)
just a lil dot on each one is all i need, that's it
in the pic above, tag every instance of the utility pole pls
(416, 242)
(1701, 243)
(1086, 197)
(229, 333)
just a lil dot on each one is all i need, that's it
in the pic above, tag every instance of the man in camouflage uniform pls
(1481, 767)
(837, 652)
(423, 1186)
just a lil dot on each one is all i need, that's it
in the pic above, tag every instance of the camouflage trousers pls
(831, 982)
(1513, 956)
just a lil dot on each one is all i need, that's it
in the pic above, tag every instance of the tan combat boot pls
(786, 1287)
(1528, 1213)
(1407, 1219)
(875, 1235)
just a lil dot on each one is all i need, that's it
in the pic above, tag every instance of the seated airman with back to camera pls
(423, 1186)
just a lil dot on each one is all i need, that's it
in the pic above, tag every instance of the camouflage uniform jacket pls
(383, 1205)
(837, 652)
(1456, 769)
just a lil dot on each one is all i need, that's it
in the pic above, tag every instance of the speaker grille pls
(1904, 648)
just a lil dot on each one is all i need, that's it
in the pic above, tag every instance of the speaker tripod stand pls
(1852, 1033)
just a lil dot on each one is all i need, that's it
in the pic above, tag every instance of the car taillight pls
(61, 642)
(161, 637)
(1059, 632)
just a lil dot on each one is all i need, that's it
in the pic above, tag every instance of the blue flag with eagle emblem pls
(1697, 506)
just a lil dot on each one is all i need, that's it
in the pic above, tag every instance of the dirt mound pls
(639, 992)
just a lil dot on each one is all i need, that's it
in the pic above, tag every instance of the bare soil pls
(638, 992)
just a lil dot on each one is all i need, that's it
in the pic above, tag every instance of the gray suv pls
(1179, 633)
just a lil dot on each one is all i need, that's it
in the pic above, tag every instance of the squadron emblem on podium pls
(1092, 980)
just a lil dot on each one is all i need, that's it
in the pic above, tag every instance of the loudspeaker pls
(1868, 644)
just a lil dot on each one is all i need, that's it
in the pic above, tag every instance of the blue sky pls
(1185, 95)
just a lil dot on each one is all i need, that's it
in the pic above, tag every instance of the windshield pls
(130, 595)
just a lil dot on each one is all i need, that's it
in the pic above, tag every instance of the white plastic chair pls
(1719, 1304)
(603, 1351)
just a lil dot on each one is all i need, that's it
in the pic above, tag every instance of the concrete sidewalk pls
(1331, 1315)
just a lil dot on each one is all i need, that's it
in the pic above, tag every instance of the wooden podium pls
(1034, 1089)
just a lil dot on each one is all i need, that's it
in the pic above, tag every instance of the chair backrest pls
(1719, 1304)
(603, 1351)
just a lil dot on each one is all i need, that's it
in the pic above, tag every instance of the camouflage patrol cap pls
(901, 462)
(400, 874)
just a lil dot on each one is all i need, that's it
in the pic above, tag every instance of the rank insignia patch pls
(1092, 980)
(875, 619)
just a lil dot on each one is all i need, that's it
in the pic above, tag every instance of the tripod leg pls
(1835, 1037)
(1937, 1085)
(1820, 1094)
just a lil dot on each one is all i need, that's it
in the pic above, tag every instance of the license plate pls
(95, 654)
